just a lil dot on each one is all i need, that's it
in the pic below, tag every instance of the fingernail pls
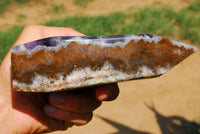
(57, 98)
(78, 122)
(49, 109)
(102, 93)
(103, 97)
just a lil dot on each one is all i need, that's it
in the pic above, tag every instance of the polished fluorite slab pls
(69, 62)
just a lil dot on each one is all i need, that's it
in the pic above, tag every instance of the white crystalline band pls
(84, 77)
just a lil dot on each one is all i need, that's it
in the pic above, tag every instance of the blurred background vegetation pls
(183, 24)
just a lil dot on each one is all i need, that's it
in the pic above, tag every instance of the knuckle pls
(113, 91)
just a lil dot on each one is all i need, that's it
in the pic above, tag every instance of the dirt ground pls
(157, 105)
(39, 12)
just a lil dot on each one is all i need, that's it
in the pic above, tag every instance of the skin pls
(46, 112)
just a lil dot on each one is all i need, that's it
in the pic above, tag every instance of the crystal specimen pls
(68, 62)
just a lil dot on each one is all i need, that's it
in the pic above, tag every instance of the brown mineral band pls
(75, 56)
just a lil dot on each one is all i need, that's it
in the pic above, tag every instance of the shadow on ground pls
(122, 129)
(167, 124)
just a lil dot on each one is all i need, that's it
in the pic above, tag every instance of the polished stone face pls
(68, 62)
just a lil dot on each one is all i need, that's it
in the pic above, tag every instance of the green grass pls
(91, 25)
(7, 39)
(180, 25)
(183, 24)
(58, 8)
(82, 2)
(195, 6)
(150, 21)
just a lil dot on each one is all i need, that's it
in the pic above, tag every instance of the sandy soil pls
(39, 12)
(143, 106)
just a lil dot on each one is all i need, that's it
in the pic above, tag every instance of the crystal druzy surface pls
(64, 63)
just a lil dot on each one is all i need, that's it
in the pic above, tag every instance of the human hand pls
(45, 112)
